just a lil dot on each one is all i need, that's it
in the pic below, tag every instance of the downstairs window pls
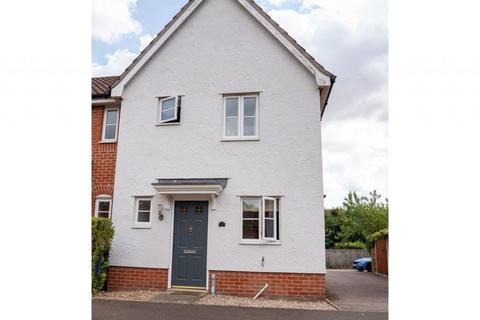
(103, 206)
(260, 218)
(143, 209)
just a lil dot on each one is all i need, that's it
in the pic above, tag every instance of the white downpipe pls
(214, 280)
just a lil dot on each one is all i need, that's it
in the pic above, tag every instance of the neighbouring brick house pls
(105, 116)
(219, 164)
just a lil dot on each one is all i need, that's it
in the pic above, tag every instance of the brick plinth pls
(128, 278)
(311, 286)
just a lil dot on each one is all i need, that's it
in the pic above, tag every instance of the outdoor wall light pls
(160, 214)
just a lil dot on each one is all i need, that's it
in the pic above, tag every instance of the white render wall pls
(222, 49)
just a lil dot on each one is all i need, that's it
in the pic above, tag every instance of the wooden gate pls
(381, 256)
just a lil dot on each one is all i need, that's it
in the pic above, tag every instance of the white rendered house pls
(219, 159)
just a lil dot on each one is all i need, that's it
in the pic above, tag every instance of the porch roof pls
(212, 186)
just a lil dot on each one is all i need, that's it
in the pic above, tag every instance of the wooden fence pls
(381, 256)
(343, 258)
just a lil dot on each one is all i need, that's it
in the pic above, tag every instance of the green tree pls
(365, 216)
(335, 219)
(356, 221)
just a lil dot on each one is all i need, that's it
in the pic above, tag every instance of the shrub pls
(335, 219)
(350, 245)
(382, 234)
(102, 235)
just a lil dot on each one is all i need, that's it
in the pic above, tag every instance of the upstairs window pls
(240, 120)
(260, 219)
(110, 125)
(169, 110)
(103, 206)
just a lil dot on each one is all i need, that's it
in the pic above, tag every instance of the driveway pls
(129, 310)
(357, 291)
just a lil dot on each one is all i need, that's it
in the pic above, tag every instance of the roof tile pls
(101, 86)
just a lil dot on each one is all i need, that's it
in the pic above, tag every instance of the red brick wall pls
(294, 285)
(128, 278)
(104, 156)
(297, 285)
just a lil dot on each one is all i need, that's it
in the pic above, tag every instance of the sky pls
(348, 37)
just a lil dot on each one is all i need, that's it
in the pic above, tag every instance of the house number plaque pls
(189, 251)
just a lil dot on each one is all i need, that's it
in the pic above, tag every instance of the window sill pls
(149, 226)
(167, 124)
(108, 141)
(261, 242)
(239, 139)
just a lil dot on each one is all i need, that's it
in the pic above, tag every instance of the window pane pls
(168, 104)
(269, 231)
(104, 206)
(231, 107)
(249, 127)
(251, 208)
(103, 214)
(112, 117)
(231, 127)
(169, 114)
(144, 205)
(110, 131)
(269, 209)
(250, 106)
(278, 219)
(250, 229)
(144, 217)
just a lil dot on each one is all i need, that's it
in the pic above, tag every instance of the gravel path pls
(264, 303)
(137, 295)
(219, 300)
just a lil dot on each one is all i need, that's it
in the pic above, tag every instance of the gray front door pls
(189, 265)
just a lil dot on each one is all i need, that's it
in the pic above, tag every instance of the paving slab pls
(177, 297)
(357, 291)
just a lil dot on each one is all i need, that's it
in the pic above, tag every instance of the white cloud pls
(350, 39)
(120, 59)
(111, 19)
(116, 63)
(277, 2)
(145, 40)
(355, 154)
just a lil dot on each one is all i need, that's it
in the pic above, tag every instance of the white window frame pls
(138, 224)
(240, 124)
(159, 110)
(261, 224)
(259, 199)
(103, 198)
(264, 218)
(104, 126)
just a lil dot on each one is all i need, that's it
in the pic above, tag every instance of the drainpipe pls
(214, 280)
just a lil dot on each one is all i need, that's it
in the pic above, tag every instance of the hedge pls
(382, 234)
(102, 235)
(350, 245)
